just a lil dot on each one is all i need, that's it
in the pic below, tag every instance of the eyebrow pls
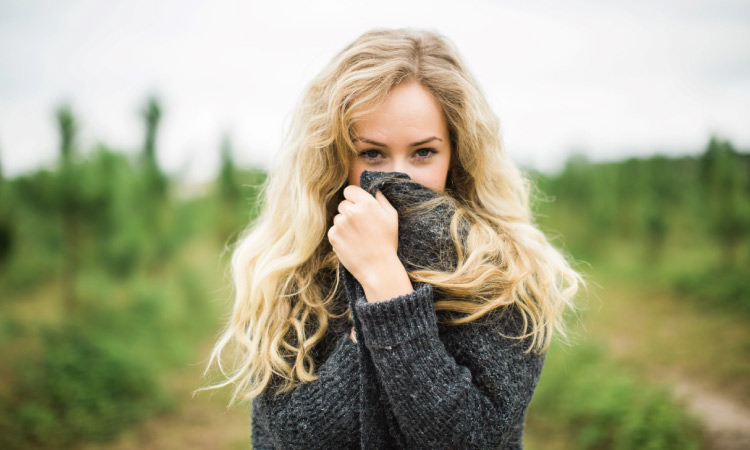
(414, 144)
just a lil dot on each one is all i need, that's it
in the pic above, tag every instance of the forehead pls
(408, 108)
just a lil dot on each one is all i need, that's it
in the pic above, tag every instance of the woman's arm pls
(439, 402)
(259, 437)
(322, 414)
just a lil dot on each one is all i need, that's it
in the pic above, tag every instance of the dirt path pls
(703, 355)
(726, 421)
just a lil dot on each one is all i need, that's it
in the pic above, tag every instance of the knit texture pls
(409, 382)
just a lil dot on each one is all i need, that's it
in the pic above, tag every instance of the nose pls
(400, 166)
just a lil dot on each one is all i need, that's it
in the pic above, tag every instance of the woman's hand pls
(364, 236)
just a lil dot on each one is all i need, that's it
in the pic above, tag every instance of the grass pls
(85, 375)
(662, 335)
(200, 422)
(651, 338)
(590, 402)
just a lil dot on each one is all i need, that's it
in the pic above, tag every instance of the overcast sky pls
(607, 78)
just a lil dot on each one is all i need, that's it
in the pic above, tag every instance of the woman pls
(394, 292)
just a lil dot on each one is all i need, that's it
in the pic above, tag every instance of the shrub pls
(728, 289)
(81, 387)
(597, 406)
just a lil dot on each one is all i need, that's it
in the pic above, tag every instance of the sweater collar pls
(424, 238)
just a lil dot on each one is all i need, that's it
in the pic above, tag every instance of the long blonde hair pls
(282, 304)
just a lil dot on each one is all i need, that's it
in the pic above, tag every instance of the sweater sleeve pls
(479, 403)
(320, 414)
(259, 438)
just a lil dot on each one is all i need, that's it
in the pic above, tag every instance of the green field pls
(114, 284)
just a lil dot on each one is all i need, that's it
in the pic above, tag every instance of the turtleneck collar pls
(424, 217)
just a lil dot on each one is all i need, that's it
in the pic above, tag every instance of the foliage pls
(726, 289)
(83, 386)
(117, 233)
(663, 208)
(129, 250)
(582, 395)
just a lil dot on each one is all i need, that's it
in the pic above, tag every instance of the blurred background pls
(134, 138)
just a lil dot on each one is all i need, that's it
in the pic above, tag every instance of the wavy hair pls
(282, 306)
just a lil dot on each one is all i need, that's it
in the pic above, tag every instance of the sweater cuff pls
(391, 322)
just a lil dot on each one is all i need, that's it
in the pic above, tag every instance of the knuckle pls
(355, 211)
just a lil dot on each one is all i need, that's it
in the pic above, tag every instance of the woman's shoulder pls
(500, 328)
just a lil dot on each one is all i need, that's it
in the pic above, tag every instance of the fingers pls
(344, 205)
(357, 201)
(356, 194)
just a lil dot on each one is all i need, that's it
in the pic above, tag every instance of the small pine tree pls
(723, 186)
(68, 127)
(228, 188)
(6, 230)
(156, 181)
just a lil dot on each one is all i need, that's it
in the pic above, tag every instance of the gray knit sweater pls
(409, 382)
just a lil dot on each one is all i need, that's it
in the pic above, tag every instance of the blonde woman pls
(394, 292)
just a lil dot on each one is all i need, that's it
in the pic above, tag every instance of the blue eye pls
(424, 153)
(369, 154)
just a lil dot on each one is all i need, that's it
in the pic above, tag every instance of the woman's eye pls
(370, 154)
(424, 153)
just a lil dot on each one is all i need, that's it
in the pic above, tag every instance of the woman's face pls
(407, 133)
